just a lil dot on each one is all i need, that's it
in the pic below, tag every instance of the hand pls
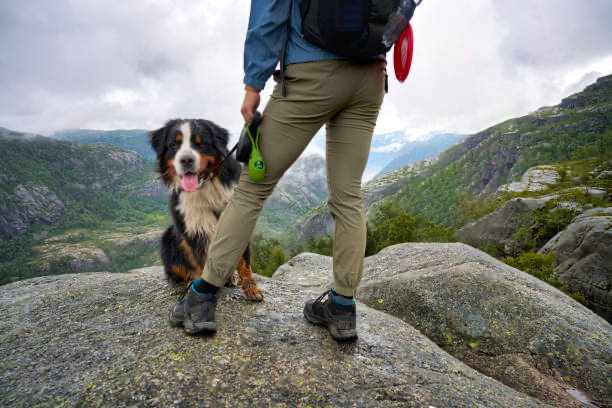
(249, 105)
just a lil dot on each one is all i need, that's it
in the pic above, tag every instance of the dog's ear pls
(220, 136)
(157, 138)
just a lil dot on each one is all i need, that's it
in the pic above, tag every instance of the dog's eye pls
(174, 145)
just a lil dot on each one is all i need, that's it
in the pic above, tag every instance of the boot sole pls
(337, 334)
(200, 328)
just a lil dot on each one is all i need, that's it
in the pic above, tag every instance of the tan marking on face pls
(198, 140)
(179, 138)
(169, 174)
(209, 161)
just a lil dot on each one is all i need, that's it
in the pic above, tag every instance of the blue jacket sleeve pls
(264, 40)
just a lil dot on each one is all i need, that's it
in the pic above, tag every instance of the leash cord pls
(211, 174)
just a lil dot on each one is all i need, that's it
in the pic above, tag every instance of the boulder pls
(317, 223)
(499, 225)
(73, 257)
(583, 258)
(306, 269)
(101, 339)
(495, 318)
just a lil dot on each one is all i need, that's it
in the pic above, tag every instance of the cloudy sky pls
(108, 64)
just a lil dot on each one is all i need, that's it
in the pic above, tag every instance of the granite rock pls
(102, 340)
(583, 258)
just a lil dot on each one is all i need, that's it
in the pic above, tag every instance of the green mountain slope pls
(578, 128)
(135, 140)
(53, 190)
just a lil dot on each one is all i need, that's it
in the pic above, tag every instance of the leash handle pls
(255, 122)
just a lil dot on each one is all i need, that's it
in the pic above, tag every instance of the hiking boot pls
(340, 319)
(177, 314)
(200, 312)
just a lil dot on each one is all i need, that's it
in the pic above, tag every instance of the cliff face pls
(27, 204)
(102, 339)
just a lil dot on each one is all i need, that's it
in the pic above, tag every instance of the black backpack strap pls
(284, 49)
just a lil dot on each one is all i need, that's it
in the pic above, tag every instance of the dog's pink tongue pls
(190, 182)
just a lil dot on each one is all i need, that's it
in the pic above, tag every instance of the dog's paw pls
(252, 291)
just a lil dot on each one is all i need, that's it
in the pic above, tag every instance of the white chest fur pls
(198, 207)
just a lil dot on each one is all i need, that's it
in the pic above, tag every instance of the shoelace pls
(185, 291)
(318, 300)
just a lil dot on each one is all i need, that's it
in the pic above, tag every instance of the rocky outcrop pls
(122, 240)
(72, 258)
(497, 319)
(306, 269)
(583, 258)
(152, 188)
(391, 182)
(27, 204)
(317, 223)
(102, 339)
(499, 225)
(534, 179)
(592, 95)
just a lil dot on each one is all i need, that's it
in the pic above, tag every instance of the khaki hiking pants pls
(344, 95)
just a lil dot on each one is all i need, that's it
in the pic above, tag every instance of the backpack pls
(355, 28)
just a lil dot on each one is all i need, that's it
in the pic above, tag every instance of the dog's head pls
(189, 148)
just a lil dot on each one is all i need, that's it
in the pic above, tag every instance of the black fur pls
(214, 143)
(214, 140)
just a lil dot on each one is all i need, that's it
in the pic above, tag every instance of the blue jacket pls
(265, 36)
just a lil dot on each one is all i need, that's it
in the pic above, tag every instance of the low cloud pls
(393, 147)
(110, 64)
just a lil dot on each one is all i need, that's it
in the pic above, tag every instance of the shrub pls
(267, 254)
(541, 267)
(322, 245)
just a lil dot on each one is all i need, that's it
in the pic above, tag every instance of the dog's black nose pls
(187, 161)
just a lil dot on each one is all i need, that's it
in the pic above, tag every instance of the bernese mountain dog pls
(193, 161)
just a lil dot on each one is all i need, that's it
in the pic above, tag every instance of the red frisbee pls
(402, 54)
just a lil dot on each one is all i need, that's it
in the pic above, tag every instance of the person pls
(321, 89)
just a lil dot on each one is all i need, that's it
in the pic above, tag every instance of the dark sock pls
(342, 300)
(204, 288)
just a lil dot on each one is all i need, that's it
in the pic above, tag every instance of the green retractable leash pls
(248, 149)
